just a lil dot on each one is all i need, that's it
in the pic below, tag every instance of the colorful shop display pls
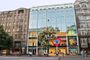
(55, 42)
(71, 30)
(61, 51)
(72, 42)
(59, 44)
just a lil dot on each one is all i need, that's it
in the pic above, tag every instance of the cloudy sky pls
(14, 4)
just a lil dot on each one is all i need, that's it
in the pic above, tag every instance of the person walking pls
(85, 53)
(82, 53)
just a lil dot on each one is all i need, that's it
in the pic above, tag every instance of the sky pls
(6, 5)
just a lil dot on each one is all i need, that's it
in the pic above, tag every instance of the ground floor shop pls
(84, 42)
(62, 45)
(31, 50)
(54, 51)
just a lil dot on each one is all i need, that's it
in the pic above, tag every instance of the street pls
(43, 58)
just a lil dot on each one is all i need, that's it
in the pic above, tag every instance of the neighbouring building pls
(82, 8)
(15, 22)
(32, 41)
(61, 16)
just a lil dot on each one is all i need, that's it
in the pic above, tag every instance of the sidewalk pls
(43, 56)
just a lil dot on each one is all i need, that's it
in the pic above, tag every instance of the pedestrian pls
(83, 53)
(62, 54)
(45, 53)
(57, 53)
(30, 53)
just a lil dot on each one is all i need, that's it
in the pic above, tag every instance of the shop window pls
(33, 44)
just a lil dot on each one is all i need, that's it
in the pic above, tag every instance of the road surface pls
(43, 58)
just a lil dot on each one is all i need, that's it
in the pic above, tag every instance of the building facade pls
(15, 22)
(57, 16)
(82, 8)
(32, 42)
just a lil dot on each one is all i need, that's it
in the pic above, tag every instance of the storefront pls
(61, 51)
(41, 51)
(56, 18)
(32, 50)
(72, 43)
(59, 45)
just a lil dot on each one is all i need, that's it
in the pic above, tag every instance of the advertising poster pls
(61, 41)
(72, 42)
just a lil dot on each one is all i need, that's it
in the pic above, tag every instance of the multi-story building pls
(15, 22)
(82, 8)
(57, 16)
(32, 42)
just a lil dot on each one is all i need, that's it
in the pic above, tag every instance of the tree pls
(45, 35)
(6, 41)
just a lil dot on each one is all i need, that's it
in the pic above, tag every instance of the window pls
(21, 20)
(41, 9)
(84, 5)
(88, 25)
(77, 6)
(83, 25)
(49, 8)
(61, 7)
(70, 7)
(88, 17)
(66, 7)
(83, 40)
(83, 32)
(20, 11)
(57, 7)
(20, 28)
(89, 40)
(82, 17)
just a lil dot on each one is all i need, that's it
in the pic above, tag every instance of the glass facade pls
(56, 16)
(63, 18)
